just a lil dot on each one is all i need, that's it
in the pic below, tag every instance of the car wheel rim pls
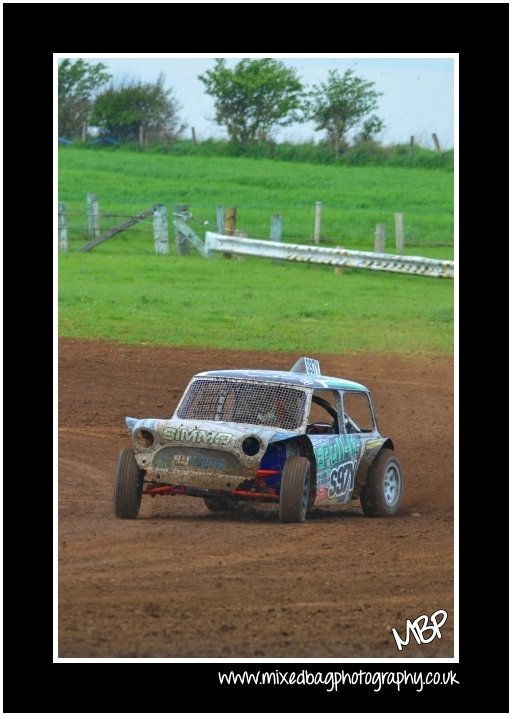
(391, 486)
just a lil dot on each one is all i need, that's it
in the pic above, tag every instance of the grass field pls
(122, 291)
(354, 199)
(252, 304)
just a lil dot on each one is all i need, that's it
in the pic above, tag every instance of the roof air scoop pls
(307, 365)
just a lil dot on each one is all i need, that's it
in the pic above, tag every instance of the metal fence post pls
(380, 238)
(318, 220)
(160, 230)
(93, 216)
(63, 227)
(220, 219)
(182, 245)
(276, 227)
(399, 231)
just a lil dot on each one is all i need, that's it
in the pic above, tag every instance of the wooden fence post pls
(339, 269)
(230, 225)
(220, 219)
(276, 227)
(380, 238)
(63, 227)
(411, 147)
(399, 231)
(318, 220)
(93, 216)
(436, 142)
(182, 245)
(160, 229)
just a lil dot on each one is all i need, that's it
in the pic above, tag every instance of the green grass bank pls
(122, 291)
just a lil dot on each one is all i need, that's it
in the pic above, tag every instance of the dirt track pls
(183, 582)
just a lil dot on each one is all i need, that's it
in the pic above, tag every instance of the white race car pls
(294, 438)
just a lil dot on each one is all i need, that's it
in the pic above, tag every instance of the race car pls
(294, 438)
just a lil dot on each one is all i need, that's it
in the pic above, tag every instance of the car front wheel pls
(295, 489)
(128, 486)
(382, 491)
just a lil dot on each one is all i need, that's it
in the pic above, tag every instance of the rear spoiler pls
(307, 365)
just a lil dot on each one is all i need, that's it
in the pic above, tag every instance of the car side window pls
(358, 416)
(324, 413)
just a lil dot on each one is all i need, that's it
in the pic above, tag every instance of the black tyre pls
(220, 504)
(295, 489)
(382, 491)
(128, 486)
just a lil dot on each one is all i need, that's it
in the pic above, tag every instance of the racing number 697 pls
(342, 479)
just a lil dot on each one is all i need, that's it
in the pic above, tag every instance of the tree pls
(136, 110)
(254, 97)
(371, 126)
(340, 104)
(78, 82)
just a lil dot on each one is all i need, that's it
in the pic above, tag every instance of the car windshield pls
(238, 401)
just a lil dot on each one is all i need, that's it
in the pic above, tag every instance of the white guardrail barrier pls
(416, 265)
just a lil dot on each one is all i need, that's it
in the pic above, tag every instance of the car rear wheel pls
(295, 489)
(220, 504)
(128, 486)
(382, 491)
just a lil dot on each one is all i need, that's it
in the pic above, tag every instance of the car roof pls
(302, 380)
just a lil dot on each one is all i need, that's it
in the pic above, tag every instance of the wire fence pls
(79, 226)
